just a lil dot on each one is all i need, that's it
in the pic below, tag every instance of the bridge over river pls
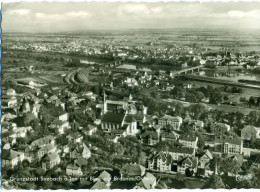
(189, 70)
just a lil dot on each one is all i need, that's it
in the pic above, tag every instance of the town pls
(130, 110)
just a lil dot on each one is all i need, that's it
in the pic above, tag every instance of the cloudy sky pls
(70, 16)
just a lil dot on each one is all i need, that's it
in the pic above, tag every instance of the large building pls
(175, 122)
(119, 124)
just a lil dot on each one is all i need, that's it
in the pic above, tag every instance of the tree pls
(215, 163)
(214, 182)
(201, 142)
(251, 101)
(197, 109)
(229, 166)
(180, 177)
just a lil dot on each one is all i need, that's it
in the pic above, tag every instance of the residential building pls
(132, 171)
(220, 128)
(90, 130)
(73, 170)
(150, 137)
(178, 152)
(50, 160)
(204, 162)
(10, 158)
(250, 132)
(228, 145)
(59, 126)
(174, 122)
(197, 125)
(169, 136)
(46, 149)
(75, 137)
(63, 116)
(147, 182)
(160, 162)
(187, 164)
(189, 141)
(99, 185)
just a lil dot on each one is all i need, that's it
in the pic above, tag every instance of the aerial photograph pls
(130, 95)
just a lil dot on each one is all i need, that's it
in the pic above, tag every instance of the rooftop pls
(113, 117)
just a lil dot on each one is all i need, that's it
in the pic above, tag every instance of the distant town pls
(130, 110)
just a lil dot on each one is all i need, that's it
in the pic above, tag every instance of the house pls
(203, 164)
(113, 138)
(228, 145)
(10, 158)
(73, 170)
(20, 132)
(80, 161)
(250, 132)
(47, 149)
(10, 92)
(105, 177)
(90, 130)
(50, 160)
(99, 185)
(180, 152)
(131, 82)
(63, 116)
(77, 150)
(160, 162)
(132, 171)
(187, 165)
(169, 136)
(150, 137)
(7, 146)
(25, 106)
(49, 139)
(9, 101)
(36, 109)
(175, 122)
(189, 141)
(197, 125)
(220, 128)
(59, 125)
(75, 137)
(147, 182)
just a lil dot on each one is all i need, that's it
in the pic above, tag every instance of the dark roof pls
(132, 169)
(188, 137)
(192, 161)
(168, 135)
(138, 117)
(80, 161)
(8, 155)
(113, 117)
(75, 135)
(181, 150)
(226, 139)
(129, 119)
(58, 122)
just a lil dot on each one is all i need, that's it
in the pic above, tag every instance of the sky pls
(74, 16)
